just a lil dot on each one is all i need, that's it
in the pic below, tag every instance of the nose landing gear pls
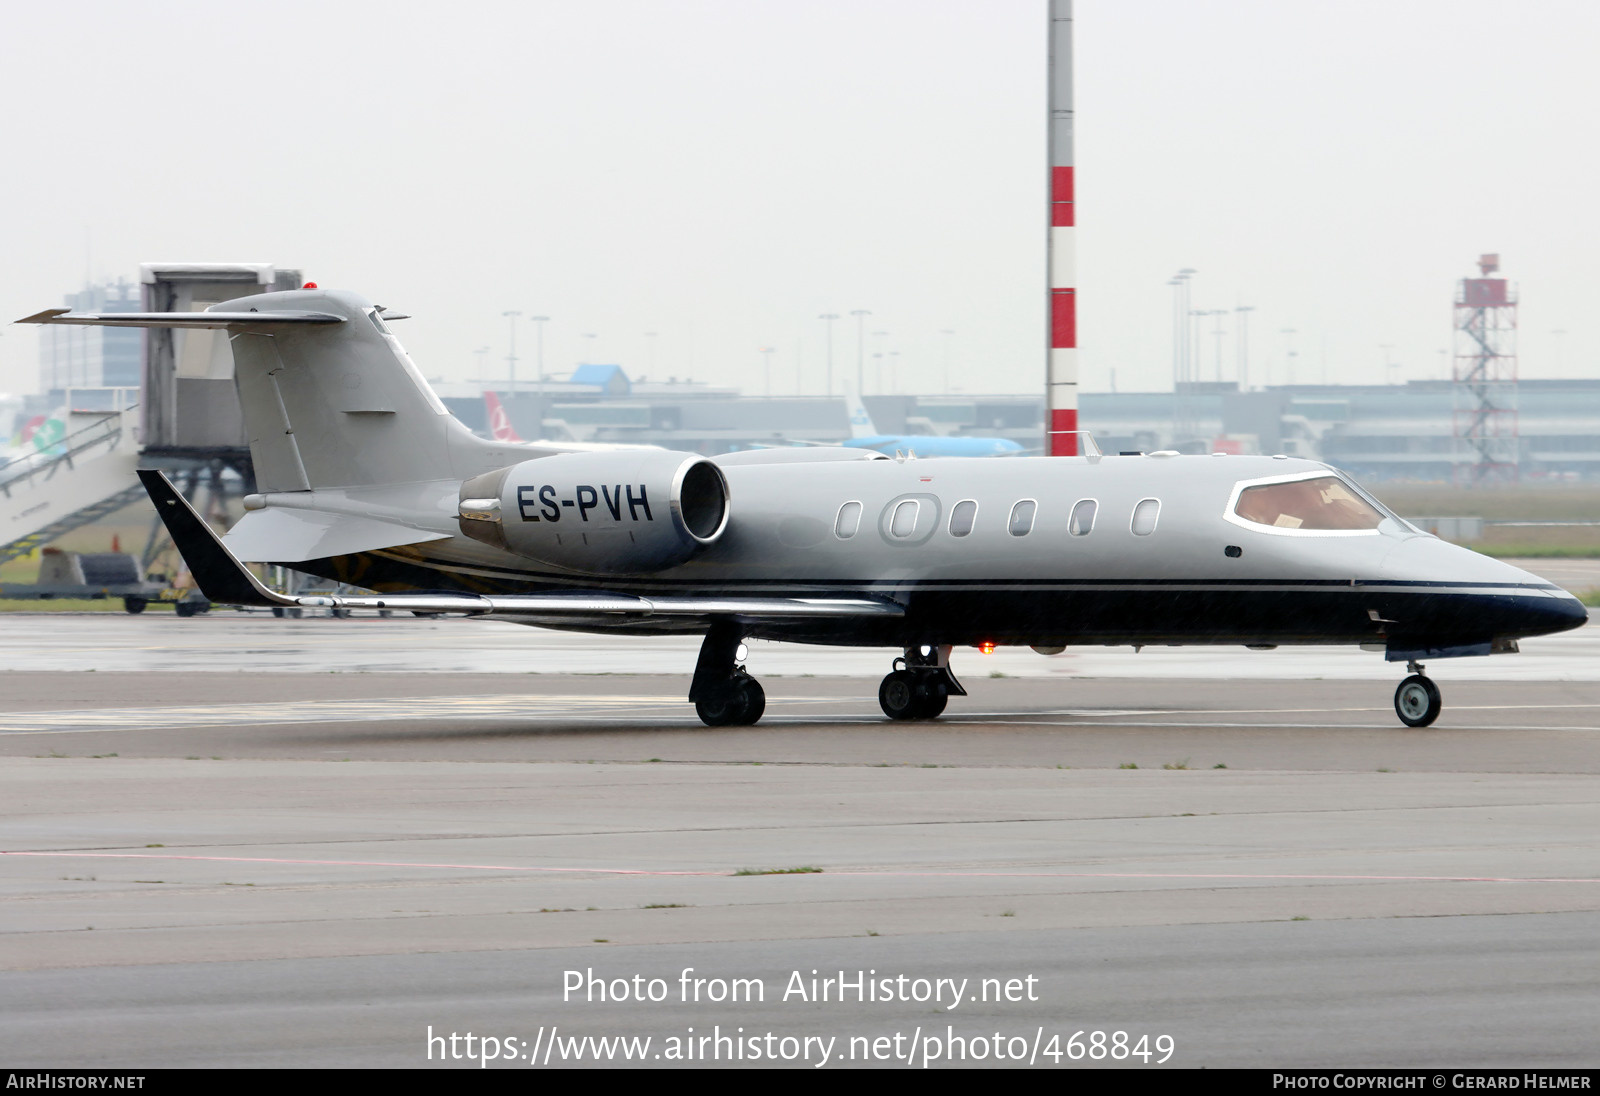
(1417, 701)
(920, 685)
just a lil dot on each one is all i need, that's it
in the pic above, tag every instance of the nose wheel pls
(1417, 701)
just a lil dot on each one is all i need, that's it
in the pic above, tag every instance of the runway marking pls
(853, 872)
(320, 711)
(97, 720)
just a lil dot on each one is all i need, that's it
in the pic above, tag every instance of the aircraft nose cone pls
(1475, 594)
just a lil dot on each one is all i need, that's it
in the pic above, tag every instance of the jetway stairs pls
(85, 476)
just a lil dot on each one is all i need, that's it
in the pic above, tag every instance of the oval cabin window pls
(848, 521)
(1144, 517)
(1021, 523)
(904, 521)
(1081, 524)
(962, 517)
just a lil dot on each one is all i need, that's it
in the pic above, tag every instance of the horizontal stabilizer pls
(177, 319)
(284, 535)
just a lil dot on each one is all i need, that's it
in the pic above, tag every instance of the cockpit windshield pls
(1315, 504)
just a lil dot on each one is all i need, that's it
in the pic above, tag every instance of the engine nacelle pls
(627, 512)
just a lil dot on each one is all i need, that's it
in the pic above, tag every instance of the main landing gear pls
(920, 684)
(1417, 701)
(722, 693)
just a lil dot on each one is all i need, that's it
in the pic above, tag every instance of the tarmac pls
(243, 841)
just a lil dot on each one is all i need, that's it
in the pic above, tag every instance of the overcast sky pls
(721, 172)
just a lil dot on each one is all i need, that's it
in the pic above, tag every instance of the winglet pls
(222, 578)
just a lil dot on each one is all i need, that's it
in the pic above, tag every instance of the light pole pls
(766, 365)
(538, 338)
(588, 357)
(1288, 334)
(483, 367)
(1388, 362)
(511, 354)
(828, 318)
(650, 350)
(1243, 344)
(877, 358)
(861, 315)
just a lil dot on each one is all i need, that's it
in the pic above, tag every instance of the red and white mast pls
(1061, 387)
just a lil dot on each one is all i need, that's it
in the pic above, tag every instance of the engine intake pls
(628, 512)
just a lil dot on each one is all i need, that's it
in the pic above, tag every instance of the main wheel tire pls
(723, 705)
(755, 701)
(134, 604)
(935, 695)
(899, 695)
(1417, 701)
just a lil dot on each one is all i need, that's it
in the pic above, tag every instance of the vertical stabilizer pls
(338, 405)
(500, 428)
(860, 422)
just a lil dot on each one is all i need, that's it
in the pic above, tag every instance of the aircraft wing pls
(225, 581)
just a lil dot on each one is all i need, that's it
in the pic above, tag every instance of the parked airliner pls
(364, 478)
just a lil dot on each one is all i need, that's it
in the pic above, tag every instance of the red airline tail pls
(499, 422)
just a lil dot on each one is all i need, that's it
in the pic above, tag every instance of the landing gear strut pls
(920, 685)
(1417, 701)
(722, 693)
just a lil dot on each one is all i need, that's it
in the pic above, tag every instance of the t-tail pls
(330, 398)
(860, 422)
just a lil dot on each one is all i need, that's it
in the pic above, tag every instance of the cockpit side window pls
(1316, 504)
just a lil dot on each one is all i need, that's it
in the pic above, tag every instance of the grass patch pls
(1530, 550)
(806, 869)
(1184, 764)
(665, 906)
(1591, 598)
(1128, 765)
(73, 605)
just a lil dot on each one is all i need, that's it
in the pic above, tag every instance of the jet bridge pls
(184, 418)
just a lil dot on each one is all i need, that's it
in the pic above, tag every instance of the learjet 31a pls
(363, 477)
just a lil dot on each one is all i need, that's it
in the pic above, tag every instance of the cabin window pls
(904, 521)
(1081, 523)
(1144, 517)
(848, 521)
(1021, 523)
(1318, 503)
(962, 517)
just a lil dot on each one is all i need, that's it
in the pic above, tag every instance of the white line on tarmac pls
(851, 872)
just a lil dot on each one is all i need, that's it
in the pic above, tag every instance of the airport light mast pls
(1485, 379)
(1061, 378)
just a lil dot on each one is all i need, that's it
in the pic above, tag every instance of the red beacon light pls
(986, 647)
(309, 285)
